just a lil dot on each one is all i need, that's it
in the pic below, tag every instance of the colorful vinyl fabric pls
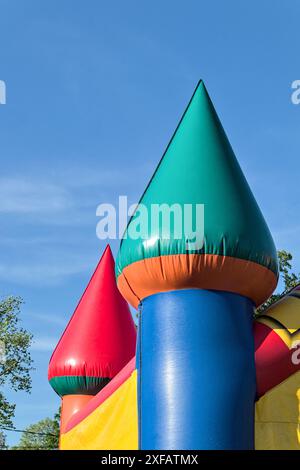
(277, 417)
(71, 405)
(99, 339)
(238, 254)
(109, 421)
(277, 340)
(196, 373)
(277, 358)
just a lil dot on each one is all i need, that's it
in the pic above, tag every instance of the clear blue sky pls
(94, 92)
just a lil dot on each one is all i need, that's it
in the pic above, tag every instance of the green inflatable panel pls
(199, 167)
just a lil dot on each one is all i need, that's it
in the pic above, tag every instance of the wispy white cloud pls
(27, 242)
(29, 407)
(287, 231)
(67, 198)
(44, 344)
(22, 196)
(49, 319)
(41, 274)
(80, 178)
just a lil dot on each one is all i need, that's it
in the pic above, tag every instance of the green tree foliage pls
(3, 445)
(289, 278)
(15, 359)
(43, 435)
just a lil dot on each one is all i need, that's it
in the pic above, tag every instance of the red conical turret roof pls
(99, 339)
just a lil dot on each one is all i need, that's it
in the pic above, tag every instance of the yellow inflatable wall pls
(277, 417)
(112, 426)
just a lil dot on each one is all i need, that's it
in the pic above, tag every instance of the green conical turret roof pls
(199, 167)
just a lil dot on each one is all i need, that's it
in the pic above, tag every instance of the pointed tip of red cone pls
(100, 337)
(106, 259)
(107, 251)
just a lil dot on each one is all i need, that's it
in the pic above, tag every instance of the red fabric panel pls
(101, 336)
(272, 358)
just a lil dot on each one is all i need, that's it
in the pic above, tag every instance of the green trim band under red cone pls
(74, 385)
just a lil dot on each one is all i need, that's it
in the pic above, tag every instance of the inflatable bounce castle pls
(200, 371)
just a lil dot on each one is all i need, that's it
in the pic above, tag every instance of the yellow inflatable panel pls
(111, 426)
(277, 417)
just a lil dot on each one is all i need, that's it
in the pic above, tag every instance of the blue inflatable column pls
(196, 374)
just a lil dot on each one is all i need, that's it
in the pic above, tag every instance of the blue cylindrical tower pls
(196, 373)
